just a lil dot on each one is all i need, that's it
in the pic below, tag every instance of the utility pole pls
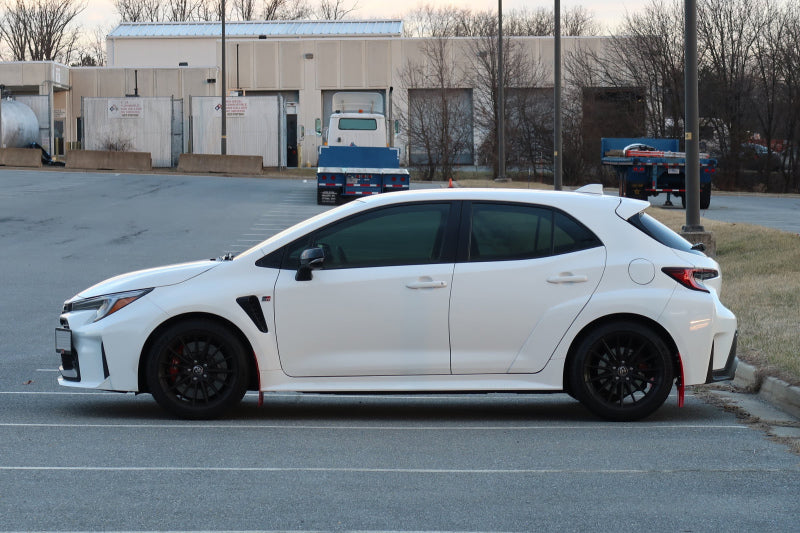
(692, 122)
(693, 231)
(501, 101)
(223, 144)
(557, 163)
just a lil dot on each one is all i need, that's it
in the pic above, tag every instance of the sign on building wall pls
(256, 125)
(108, 125)
(125, 108)
(234, 107)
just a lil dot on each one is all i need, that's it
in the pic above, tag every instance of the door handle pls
(568, 277)
(426, 283)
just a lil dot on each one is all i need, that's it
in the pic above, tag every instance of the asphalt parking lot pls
(84, 461)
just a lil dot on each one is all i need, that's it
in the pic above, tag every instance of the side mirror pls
(318, 126)
(310, 259)
(396, 127)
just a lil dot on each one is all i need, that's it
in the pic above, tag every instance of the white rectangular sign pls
(125, 108)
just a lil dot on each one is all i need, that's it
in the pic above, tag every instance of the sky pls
(607, 12)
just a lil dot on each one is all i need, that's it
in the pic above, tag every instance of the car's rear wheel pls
(197, 369)
(622, 371)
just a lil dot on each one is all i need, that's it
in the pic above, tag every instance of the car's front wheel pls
(621, 371)
(197, 369)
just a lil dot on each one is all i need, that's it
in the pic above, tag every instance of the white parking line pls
(191, 425)
(484, 471)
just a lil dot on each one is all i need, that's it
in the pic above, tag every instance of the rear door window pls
(506, 232)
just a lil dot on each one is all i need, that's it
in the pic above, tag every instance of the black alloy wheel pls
(197, 369)
(622, 371)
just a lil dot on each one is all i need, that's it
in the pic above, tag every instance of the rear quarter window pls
(661, 233)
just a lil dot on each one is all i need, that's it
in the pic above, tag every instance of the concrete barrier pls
(21, 157)
(102, 160)
(223, 164)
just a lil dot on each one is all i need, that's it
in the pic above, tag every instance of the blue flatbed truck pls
(648, 166)
(347, 172)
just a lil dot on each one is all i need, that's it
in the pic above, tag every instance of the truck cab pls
(357, 129)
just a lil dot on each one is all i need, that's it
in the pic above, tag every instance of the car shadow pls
(369, 409)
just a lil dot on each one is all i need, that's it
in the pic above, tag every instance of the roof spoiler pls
(592, 188)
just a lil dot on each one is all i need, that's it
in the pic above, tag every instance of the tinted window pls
(369, 124)
(661, 233)
(569, 235)
(502, 232)
(401, 235)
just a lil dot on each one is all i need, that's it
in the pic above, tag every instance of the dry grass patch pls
(491, 184)
(761, 285)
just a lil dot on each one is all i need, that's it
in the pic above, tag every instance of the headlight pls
(106, 304)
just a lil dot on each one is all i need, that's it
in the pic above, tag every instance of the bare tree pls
(429, 21)
(41, 30)
(334, 9)
(14, 29)
(437, 118)
(181, 10)
(92, 52)
(286, 10)
(790, 68)
(525, 133)
(646, 52)
(727, 34)
(138, 10)
(244, 9)
(577, 22)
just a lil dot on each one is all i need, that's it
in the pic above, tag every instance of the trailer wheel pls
(705, 196)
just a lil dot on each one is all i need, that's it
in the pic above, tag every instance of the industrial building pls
(299, 64)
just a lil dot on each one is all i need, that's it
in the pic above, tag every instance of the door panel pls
(365, 321)
(510, 310)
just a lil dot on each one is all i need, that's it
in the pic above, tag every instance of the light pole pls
(557, 164)
(501, 104)
(692, 121)
(223, 143)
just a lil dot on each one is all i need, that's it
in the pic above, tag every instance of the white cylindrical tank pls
(19, 126)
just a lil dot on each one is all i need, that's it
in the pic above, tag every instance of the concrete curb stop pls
(772, 390)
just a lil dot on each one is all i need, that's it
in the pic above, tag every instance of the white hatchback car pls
(445, 290)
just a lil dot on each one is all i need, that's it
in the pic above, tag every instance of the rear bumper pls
(728, 372)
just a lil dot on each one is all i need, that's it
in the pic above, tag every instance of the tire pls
(197, 369)
(705, 196)
(621, 371)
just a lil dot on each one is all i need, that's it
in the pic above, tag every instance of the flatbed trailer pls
(347, 172)
(649, 172)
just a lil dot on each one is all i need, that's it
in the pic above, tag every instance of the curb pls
(772, 390)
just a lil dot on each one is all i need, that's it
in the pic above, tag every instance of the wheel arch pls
(619, 317)
(252, 365)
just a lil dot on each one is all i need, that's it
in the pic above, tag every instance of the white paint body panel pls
(450, 327)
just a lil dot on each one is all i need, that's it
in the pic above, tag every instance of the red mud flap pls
(680, 383)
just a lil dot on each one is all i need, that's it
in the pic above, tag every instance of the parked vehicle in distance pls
(461, 290)
(757, 156)
(356, 159)
(648, 166)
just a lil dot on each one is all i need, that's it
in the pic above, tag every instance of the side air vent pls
(252, 307)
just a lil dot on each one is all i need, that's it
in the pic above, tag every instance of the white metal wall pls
(255, 125)
(143, 124)
(41, 108)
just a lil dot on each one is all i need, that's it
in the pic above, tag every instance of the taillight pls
(691, 278)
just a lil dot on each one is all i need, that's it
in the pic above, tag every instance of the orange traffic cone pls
(450, 185)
